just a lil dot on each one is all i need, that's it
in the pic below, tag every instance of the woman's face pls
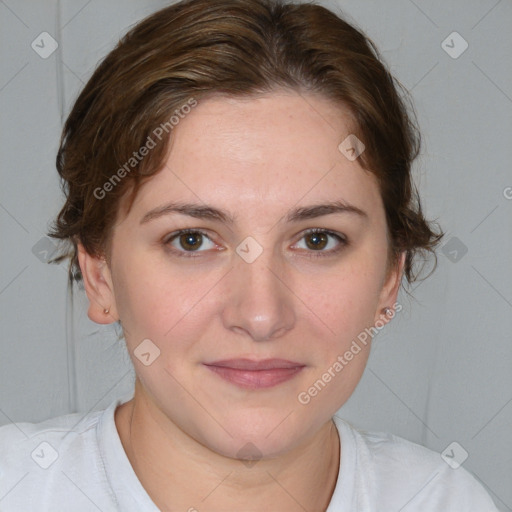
(250, 282)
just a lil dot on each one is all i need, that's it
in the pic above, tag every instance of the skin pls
(258, 159)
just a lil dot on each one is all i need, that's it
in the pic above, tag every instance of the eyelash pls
(342, 243)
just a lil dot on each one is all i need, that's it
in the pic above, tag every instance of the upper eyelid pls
(322, 230)
(175, 234)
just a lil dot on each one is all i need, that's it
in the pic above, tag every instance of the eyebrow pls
(206, 212)
(195, 210)
(318, 210)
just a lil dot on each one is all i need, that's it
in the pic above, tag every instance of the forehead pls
(258, 130)
(266, 153)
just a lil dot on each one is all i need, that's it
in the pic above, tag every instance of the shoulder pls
(400, 473)
(48, 461)
(61, 433)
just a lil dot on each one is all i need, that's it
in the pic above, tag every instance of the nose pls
(258, 302)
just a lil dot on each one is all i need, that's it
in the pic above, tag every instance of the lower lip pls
(255, 379)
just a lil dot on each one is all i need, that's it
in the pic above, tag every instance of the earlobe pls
(98, 287)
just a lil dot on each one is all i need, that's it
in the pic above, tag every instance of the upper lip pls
(252, 365)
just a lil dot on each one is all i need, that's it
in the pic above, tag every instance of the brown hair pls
(197, 48)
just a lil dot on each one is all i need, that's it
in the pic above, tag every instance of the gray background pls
(440, 372)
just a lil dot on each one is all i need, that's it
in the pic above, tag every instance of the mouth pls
(251, 374)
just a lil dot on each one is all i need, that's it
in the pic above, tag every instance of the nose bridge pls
(258, 302)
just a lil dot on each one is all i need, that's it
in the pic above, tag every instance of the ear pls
(389, 292)
(98, 287)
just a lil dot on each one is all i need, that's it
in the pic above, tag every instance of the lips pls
(248, 364)
(250, 374)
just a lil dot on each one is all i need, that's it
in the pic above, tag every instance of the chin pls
(255, 435)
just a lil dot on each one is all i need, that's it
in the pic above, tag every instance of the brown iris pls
(191, 241)
(316, 241)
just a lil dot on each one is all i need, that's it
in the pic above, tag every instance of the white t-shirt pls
(78, 464)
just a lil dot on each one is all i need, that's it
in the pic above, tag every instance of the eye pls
(321, 241)
(190, 240)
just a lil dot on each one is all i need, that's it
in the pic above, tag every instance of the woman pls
(239, 199)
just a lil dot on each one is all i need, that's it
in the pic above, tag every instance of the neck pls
(179, 473)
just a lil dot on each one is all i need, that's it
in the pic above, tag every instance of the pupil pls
(316, 240)
(191, 241)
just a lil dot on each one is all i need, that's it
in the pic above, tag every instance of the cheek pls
(344, 308)
(345, 299)
(157, 302)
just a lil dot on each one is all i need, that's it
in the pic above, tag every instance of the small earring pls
(106, 311)
(386, 311)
